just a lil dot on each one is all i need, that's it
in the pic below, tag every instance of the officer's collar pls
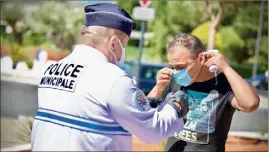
(87, 51)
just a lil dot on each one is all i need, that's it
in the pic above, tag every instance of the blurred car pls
(260, 82)
(148, 73)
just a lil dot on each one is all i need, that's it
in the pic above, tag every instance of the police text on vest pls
(62, 76)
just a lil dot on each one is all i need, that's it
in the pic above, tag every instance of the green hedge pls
(245, 70)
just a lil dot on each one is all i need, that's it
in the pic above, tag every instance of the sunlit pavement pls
(233, 144)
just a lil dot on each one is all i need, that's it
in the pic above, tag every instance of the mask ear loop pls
(196, 73)
(120, 46)
(120, 43)
(114, 56)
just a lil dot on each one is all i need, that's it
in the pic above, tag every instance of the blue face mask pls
(182, 77)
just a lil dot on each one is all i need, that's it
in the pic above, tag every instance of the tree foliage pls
(13, 15)
(246, 23)
(263, 56)
(54, 21)
(214, 20)
(235, 37)
(232, 44)
(57, 23)
(170, 20)
(202, 32)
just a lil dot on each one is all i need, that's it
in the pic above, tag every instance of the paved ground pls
(254, 121)
(15, 132)
(245, 144)
(232, 144)
(18, 99)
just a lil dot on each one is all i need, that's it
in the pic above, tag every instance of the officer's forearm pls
(178, 101)
(156, 92)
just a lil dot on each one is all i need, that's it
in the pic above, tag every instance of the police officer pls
(87, 102)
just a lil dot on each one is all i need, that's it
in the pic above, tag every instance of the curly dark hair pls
(189, 41)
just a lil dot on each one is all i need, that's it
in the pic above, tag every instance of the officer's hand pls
(179, 102)
(163, 78)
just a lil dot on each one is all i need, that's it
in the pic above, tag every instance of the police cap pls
(109, 15)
